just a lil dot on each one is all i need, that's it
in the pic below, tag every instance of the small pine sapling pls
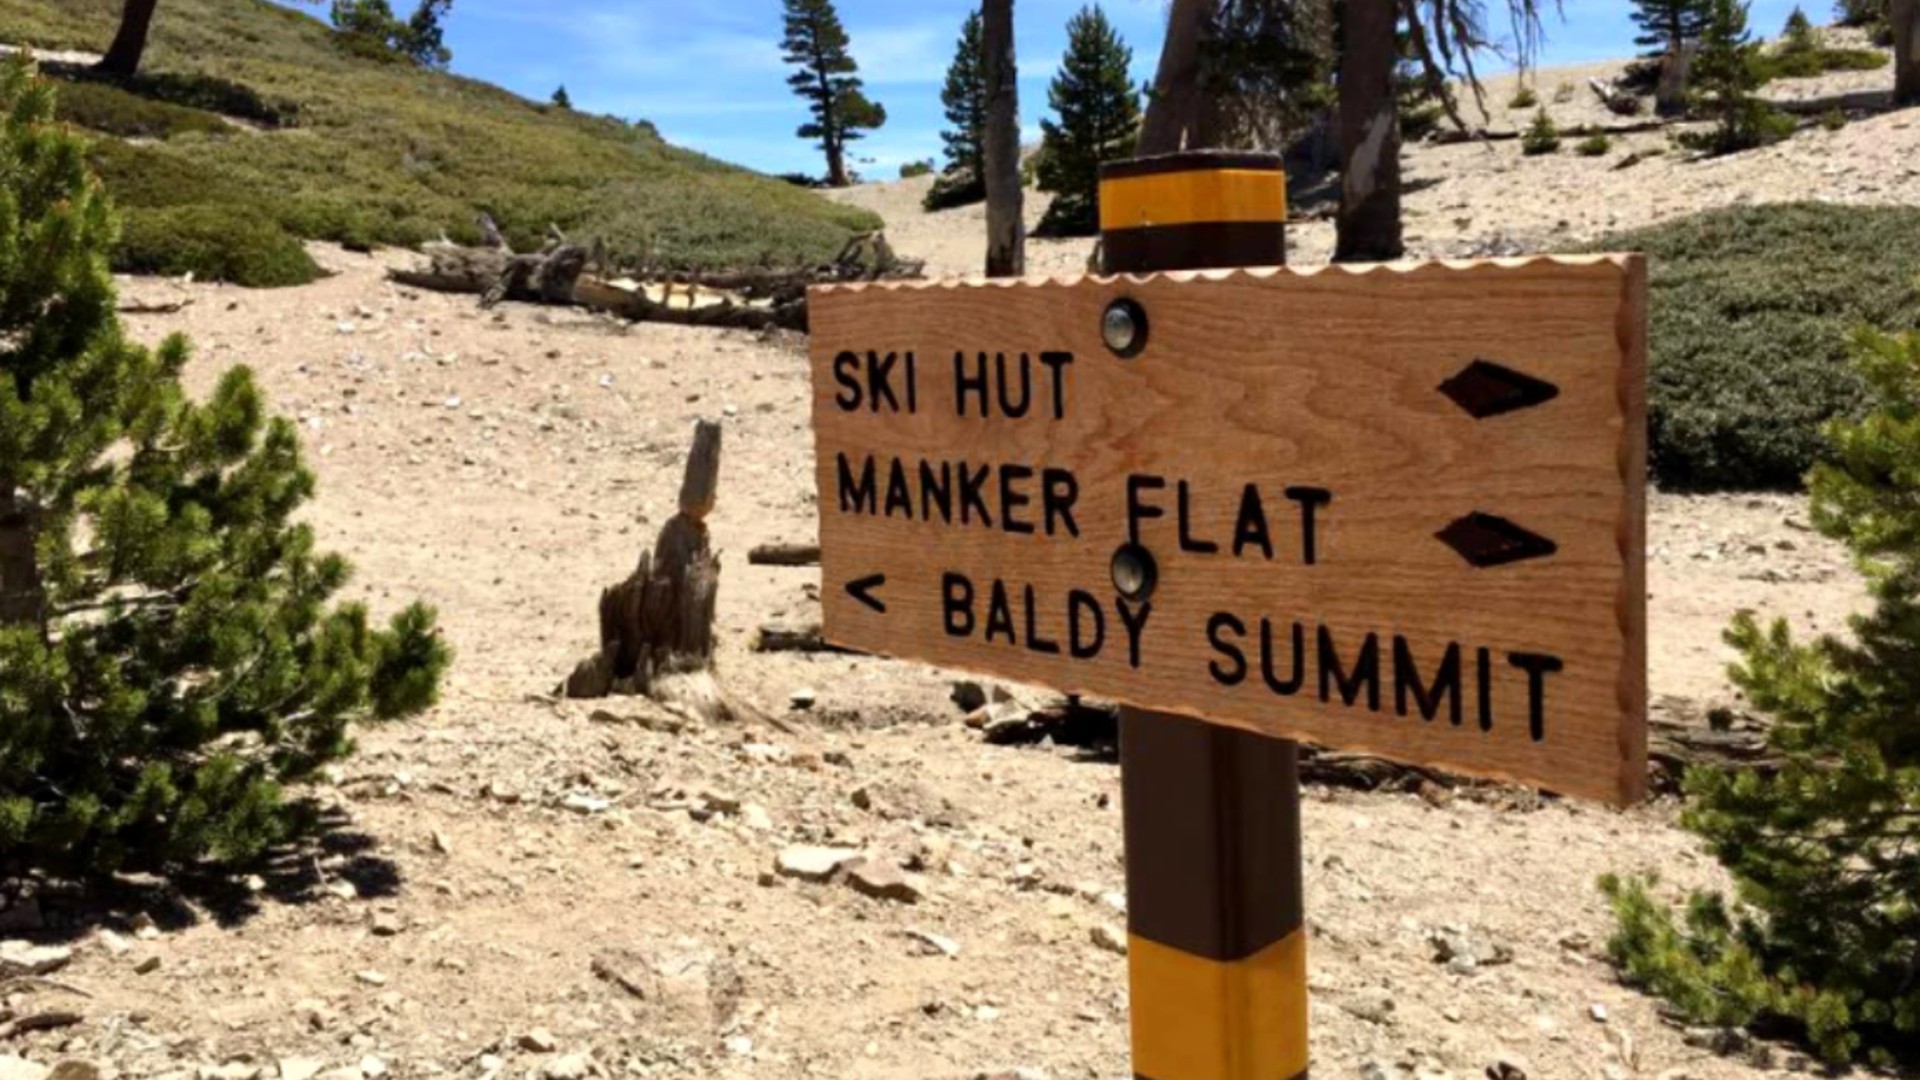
(1541, 137)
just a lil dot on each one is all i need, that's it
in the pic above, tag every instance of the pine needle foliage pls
(1098, 111)
(827, 78)
(1825, 929)
(1724, 81)
(1541, 137)
(965, 99)
(169, 657)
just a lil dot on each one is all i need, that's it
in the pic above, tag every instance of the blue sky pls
(709, 73)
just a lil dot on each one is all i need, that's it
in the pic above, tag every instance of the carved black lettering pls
(899, 492)
(1235, 671)
(1084, 641)
(1187, 540)
(936, 491)
(1138, 511)
(1014, 498)
(846, 372)
(1035, 642)
(1059, 492)
(880, 381)
(1310, 500)
(1057, 362)
(1538, 667)
(973, 495)
(1000, 613)
(1406, 682)
(1483, 660)
(1008, 405)
(913, 384)
(956, 604)
(965, 383)
(1251, 529)
(1136, 623)
(857, 493)
(1290, 685)
(1363, 676)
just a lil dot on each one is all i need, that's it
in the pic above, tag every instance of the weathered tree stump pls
(656, 627)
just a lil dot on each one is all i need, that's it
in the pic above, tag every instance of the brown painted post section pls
(1217, 960)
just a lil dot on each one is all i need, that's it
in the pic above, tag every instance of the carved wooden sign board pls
(1390, 509)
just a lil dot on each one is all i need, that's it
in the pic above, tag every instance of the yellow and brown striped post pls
(1217, 944)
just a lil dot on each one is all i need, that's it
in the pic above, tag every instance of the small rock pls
(809, 862)
(232, 1070)
(1109, 939)
(969, 696)
(882, 881)
(582, 802)
(74, 1069)
(113, 943)
(540, 1041)
(739, 1046)
(441, 844)
(13, 1067)
(372, 1068)
(935, 943)
(300, 1068)
(569, 1067)
(1507, 1067)
(148, 966)
(1374, 1008)
(19, 958)
(803, 699)
(755, 817)
(372, 978)
(1374, 1070)
(387, 924)
(1598, 1012)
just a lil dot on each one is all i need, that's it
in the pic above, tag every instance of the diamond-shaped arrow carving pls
(1484, 388)
(1485, 541)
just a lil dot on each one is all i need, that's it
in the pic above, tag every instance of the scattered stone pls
(19, 958)
(569, 1067)
(232, 1070)
(1375, 1007)
(969, 696)
(587, 803)
(739, 1045)
(1109, 939)
(932, 944)
(74, 1069)
(372, 1068)
(144, 927)
(755, 817)
(1508, 1067)
(372, 978)
(540, 1041)
(13, 1067)
(387, 924)
(882, 881)
(441, 844)
(148, 966)
(344, 1072)
(803, 699)
(1598, 1012)
(1718, 1040)
(809, 862)
(1463, 953)
(300, 1068)
(113, 943)
(1374, 1070)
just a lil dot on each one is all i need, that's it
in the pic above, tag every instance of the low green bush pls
(916, 168)
(213, 243)
(110, 110)
(955, 187)
(1751, 312)
(1524, 99)
(1541, 137)
(1596, 145)
(1815, 62)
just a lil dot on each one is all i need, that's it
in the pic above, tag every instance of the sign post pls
(1390, 509)
(1216, 956)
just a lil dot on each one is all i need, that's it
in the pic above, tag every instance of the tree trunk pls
(1006, 221)
(130, 44)
(1180, 112)
(836, 165)
(1670, 98)
(1906, 52)
(23, 596)
(1369, 223)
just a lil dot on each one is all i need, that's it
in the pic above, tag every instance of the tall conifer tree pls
(817, 44)
(965, 98)
(169, 657)
(1099, 115)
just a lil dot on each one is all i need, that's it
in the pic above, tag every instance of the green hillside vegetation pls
(1752, 312)
(327, 144)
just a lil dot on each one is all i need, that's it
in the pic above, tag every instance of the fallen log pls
(1449, 137)
(782, 637)
(785, 555)
(1853, 102)
(1618, 102)
(636, 306)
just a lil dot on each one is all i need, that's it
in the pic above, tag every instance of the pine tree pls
(371, 28)
(1825, 930)
(1725, 83)
(965, 98)
(1099, 112)
(168, 655)
(1669, 26)
(817, 44)
(561, 99)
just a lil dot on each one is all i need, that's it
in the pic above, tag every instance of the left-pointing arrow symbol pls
(864, 591)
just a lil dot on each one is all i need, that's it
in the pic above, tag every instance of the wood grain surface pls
(1515, 651)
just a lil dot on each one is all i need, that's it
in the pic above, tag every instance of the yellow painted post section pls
(1200, 1019)
(1191, 198)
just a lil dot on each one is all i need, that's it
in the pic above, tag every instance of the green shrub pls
(914, 169)
(1833, 120)
(192, 90)
(112, 111)
(1724, 81)
(1825, 930)
(1750, 309)
(1524, 99)
(170, 653)
(1541, 136)
(1810, 64)
(1563, 93)
(213, 243)
(1599, 144)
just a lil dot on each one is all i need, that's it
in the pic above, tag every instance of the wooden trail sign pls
(1392, 509)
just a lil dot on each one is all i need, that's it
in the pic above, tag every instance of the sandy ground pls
(520, 888)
